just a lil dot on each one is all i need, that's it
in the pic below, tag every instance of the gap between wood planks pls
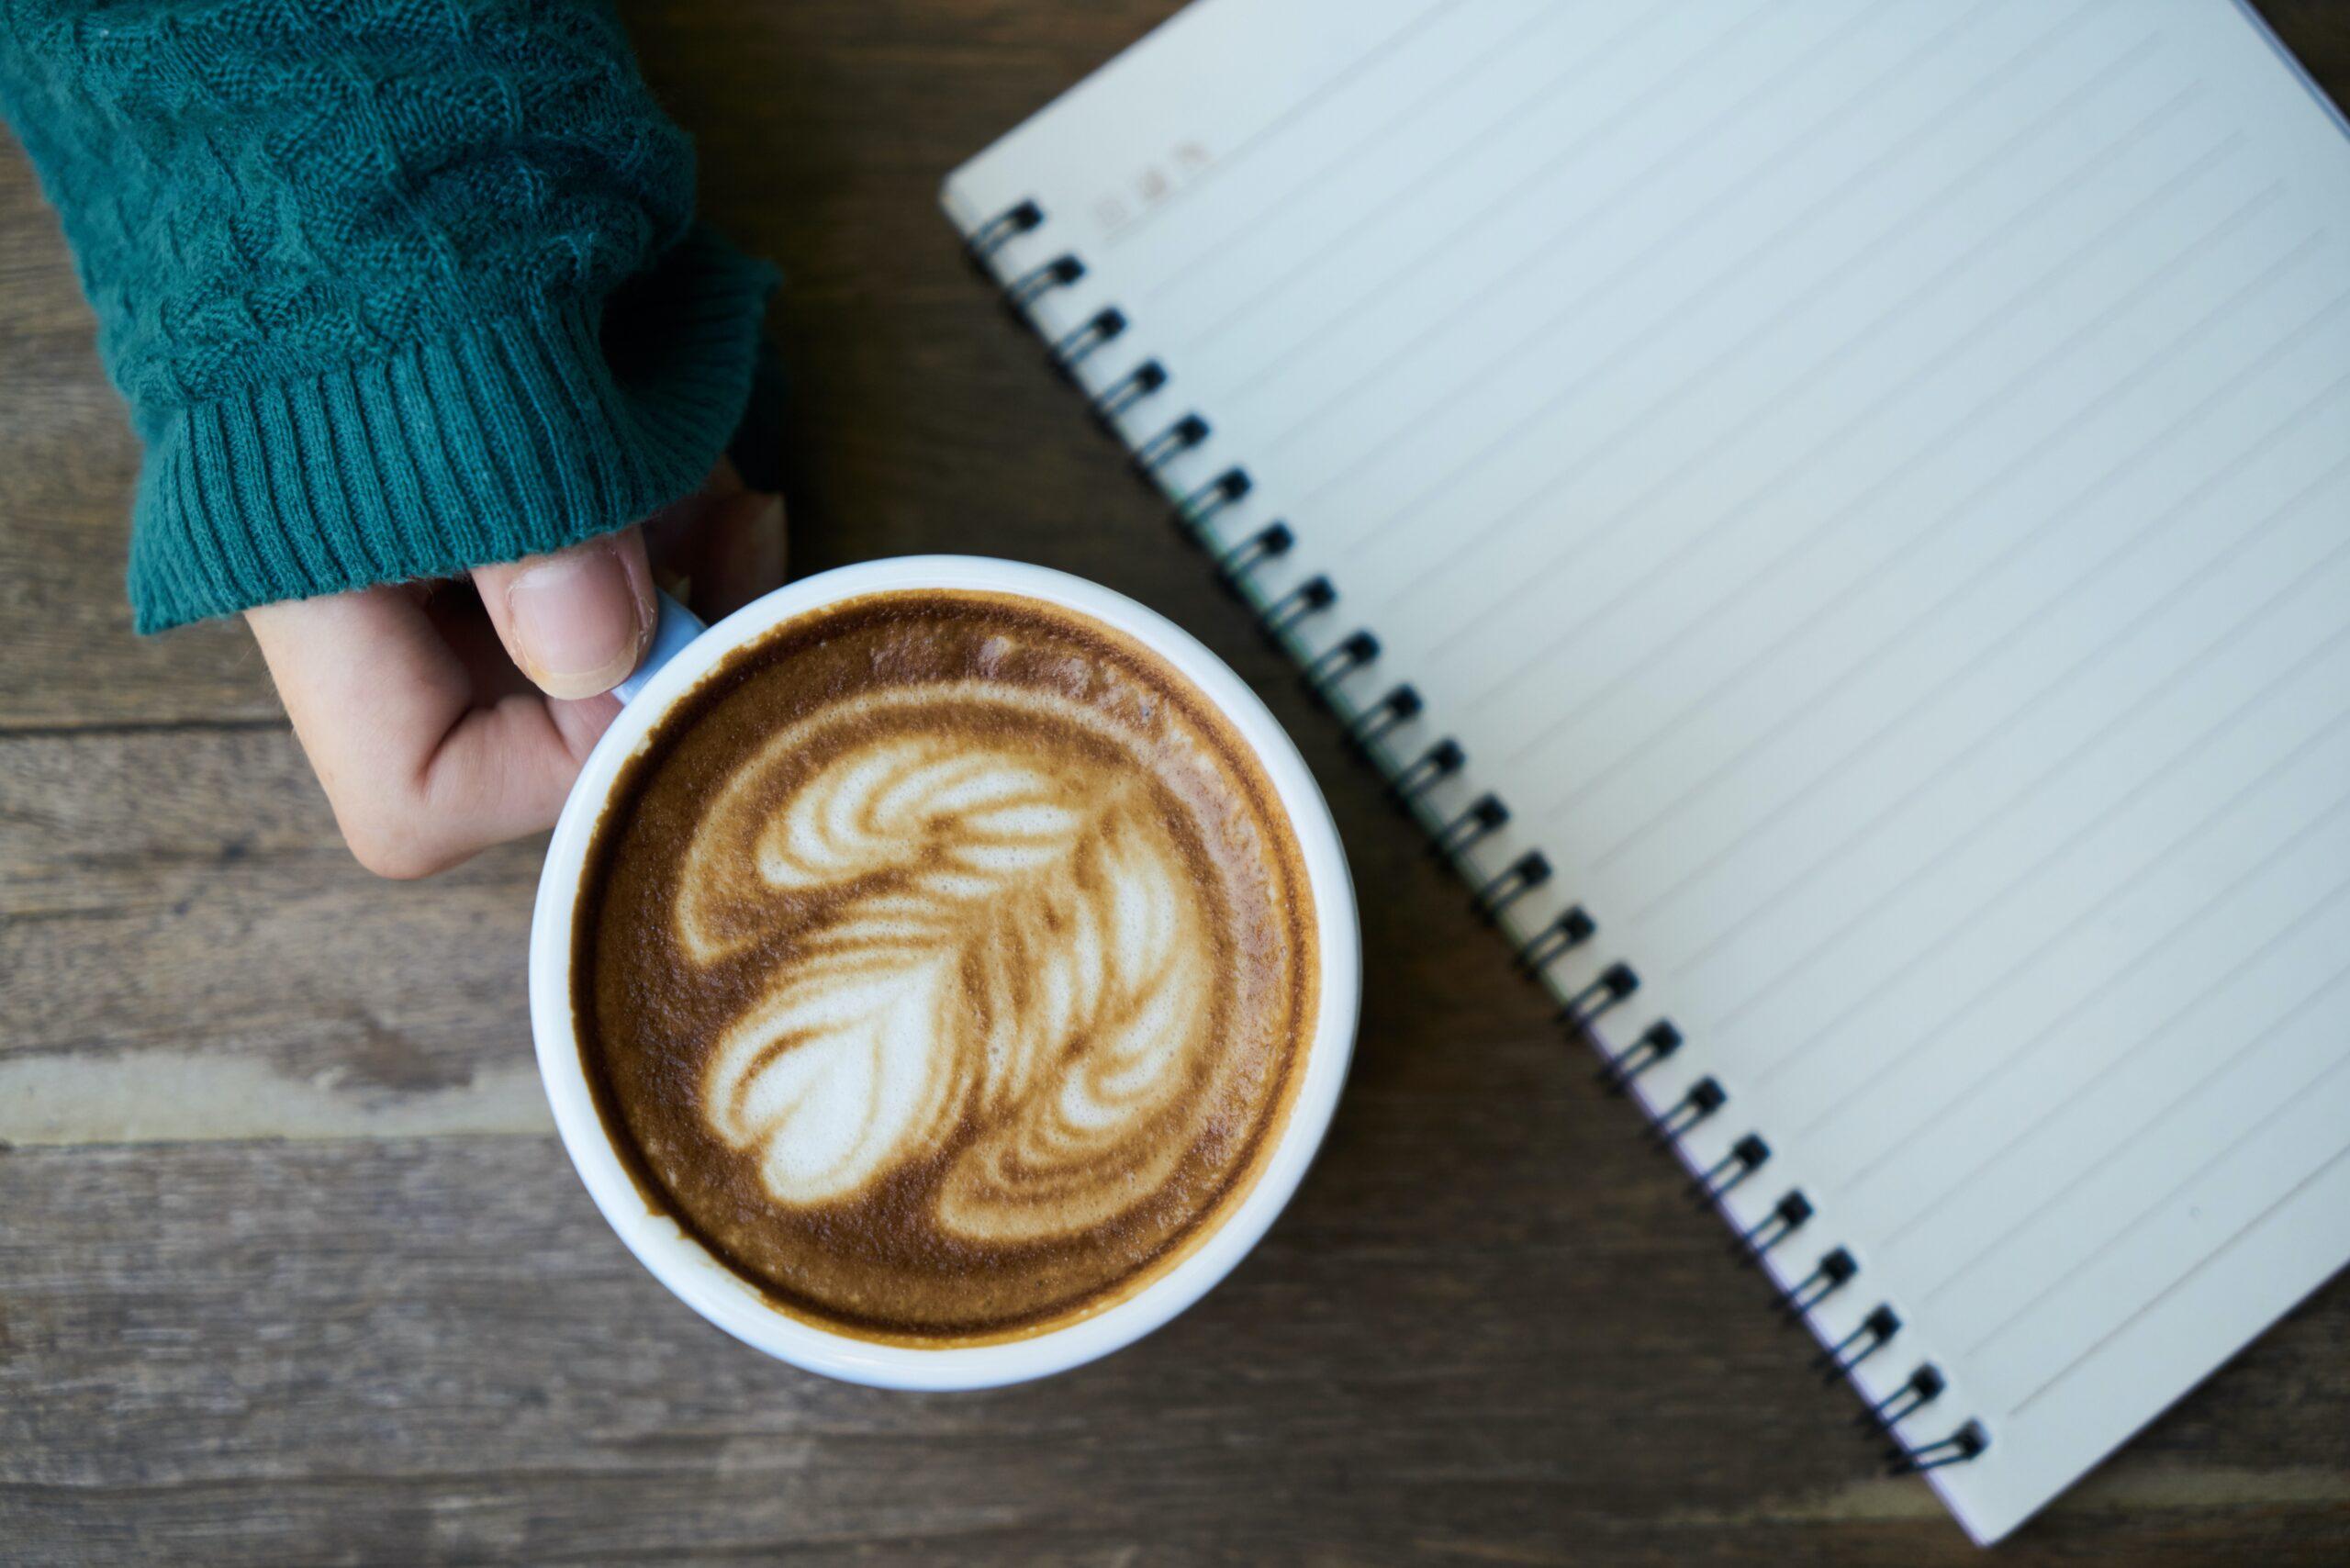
(47, 732)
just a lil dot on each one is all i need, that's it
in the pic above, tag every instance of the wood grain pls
(406, 1351)
(290, 1270)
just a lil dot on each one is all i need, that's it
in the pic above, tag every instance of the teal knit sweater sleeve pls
(393, 289)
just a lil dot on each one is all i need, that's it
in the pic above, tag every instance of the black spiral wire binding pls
(1570, 930)
(1521, 876)
(1228, 489)
(1703, 1098)
(988, 237)
(1399, 706)
(1787, 1216)
(1115, 400)
(1925, 1386)
(1835, 1269)
(1485, 816)
(1440, 761)
(1495, 893)
(1875, 1332)
(1170, 443)
(1657, 1042)
(1336, 661)
(1615, 984)
(1718, 1181)
(1023, 291)
(1074, 348)
(1307, 599)
(1839, 1360)
(1968, 1442)
(1266, 544)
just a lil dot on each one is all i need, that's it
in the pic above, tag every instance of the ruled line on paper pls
(2103, 906)
(2309, 999)
(1887, 1066)
(1751, 669)
(1379, 210)
(1189, 271)
(1986, 819)
(2022, 1053)
(2050, 441)
(1857, 668)
(2233, 1239)
(1881, 401)
(1922, 1215)
(1126, 228)
(1875, 405)
(1700, 213)
(1704, 375)
(1552, 481)
(2155, 776)
(1704, 136)
(2287, 1102)
(1728, 928)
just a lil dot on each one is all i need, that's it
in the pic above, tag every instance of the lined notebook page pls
(1868, 484)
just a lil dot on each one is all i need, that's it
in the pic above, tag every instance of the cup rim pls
(724, 1298)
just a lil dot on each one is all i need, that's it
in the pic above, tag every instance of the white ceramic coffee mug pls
(682, 653)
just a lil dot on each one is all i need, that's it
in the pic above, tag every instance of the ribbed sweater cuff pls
(510, 435)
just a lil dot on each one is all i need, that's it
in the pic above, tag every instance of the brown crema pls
(944, 963)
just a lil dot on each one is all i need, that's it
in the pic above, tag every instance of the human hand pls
(443, 718)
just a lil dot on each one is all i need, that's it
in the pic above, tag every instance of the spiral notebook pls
(1837, 516)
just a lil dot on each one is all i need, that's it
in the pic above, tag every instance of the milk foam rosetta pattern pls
(1003, 952)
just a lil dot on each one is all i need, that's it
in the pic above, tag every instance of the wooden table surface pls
(293, 1268)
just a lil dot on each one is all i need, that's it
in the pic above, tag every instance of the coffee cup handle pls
(673, 627)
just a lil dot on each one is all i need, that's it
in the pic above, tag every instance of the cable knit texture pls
(393, 289)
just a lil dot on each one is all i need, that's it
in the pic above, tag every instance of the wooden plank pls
(436, 1352)
(187, 950)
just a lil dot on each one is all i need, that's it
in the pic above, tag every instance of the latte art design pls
(998, 950)
(944, 966)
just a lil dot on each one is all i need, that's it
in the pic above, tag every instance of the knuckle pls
(390, 846)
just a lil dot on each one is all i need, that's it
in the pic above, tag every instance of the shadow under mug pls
(683, 651)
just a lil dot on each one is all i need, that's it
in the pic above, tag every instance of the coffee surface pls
(945, 964)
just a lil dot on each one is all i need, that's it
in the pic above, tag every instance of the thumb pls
(575, 621)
